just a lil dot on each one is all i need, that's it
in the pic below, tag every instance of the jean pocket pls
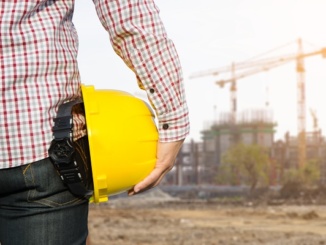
(45, 186)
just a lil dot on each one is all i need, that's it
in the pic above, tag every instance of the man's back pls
(38, 49)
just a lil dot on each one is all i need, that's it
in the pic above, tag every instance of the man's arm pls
(138, 36)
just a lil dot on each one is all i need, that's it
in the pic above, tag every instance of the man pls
(38, 70)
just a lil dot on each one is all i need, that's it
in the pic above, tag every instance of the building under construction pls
(252, 127)
(199, 162)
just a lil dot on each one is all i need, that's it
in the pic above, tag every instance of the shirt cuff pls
(174, 126)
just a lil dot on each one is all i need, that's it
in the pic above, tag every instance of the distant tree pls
(311, 172)
(307, 176)
(298, 181)
(247, 164)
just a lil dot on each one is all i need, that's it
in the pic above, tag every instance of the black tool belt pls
(65, 156)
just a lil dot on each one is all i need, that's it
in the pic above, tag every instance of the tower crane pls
(247, 68)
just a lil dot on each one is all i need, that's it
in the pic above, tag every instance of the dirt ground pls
(169, 221)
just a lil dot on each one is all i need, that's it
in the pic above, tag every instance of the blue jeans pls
(36, 208)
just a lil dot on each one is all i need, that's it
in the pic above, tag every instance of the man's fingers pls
(145, 184)
(149, 180)
(152, 180)
(166, 155)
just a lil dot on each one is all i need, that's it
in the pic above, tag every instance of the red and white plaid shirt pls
(38, 69)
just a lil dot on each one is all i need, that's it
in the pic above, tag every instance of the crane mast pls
(301, 107)
(233, 91)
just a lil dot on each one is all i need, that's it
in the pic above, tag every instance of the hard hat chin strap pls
(62, 151)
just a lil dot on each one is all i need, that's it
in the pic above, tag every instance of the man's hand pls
(166, 155)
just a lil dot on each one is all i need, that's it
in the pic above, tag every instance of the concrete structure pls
(252, 127)
(198, 163)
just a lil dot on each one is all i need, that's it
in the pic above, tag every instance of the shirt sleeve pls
(138, 36)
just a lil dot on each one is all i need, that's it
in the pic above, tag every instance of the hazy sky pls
(210, 34)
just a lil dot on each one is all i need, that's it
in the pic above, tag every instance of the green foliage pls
(308, 175)
(244, 164)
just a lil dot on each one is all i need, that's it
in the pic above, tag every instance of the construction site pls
(198, 162)
(192, 207)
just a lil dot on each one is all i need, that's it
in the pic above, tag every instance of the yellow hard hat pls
(122, 138)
